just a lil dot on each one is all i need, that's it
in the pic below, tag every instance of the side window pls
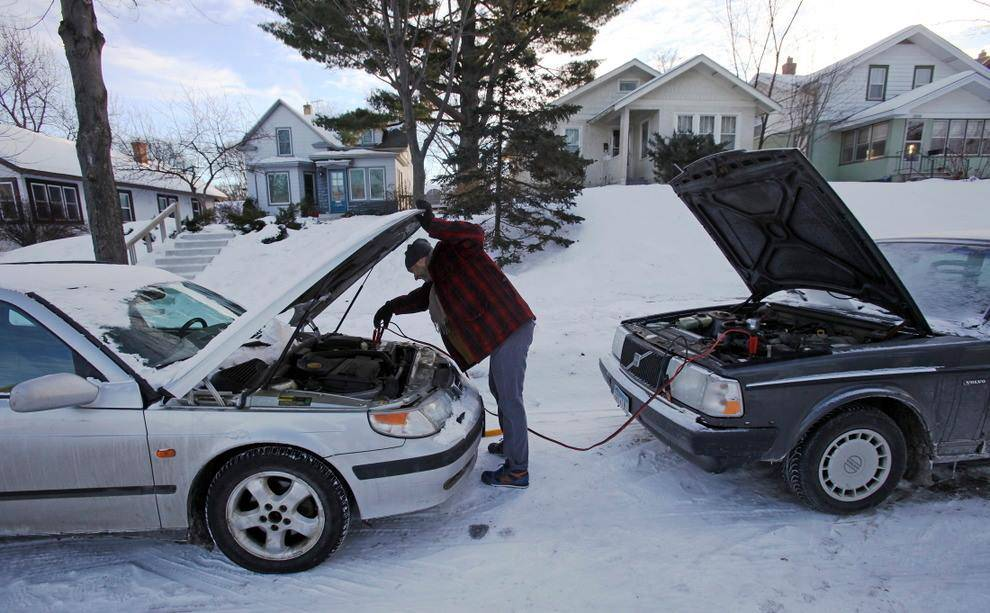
(30, 350)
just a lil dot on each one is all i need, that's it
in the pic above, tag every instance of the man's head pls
(418, 258)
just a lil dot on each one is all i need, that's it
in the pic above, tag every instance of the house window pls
(309, 187)
(876, 85)
(727, 136)
(572, 139)
(960, 137)
(376, 183)
(684, 123)
(55, 201)
(196, 207)
(357, 178)
(627, 85)
(706, 125)
(278, 188)
(923, 75)
(912, 139)
(165, 201)
(986, 138)
(957, 132)
(974, 130)
(9, 209)
(283, 138)
(866, 143)
(126, 201)
(616, 135)
(644, 139)
(940, 129)
(368, 137)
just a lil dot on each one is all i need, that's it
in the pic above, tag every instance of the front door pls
(68, 469)
(338, 192)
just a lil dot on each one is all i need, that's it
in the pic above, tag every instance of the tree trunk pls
(83, 48)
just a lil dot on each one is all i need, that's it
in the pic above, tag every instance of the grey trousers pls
(506, 372)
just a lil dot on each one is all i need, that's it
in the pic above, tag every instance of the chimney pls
(983, 58)
(307, 109)
(140, 149)
(789, 67)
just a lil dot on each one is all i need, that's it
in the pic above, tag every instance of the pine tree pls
(673, 153)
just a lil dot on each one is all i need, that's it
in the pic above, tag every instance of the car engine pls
(764, 332)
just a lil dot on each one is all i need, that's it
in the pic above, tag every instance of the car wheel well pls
(910, 424)
(196, 506)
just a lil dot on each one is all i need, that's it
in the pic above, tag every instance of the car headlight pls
(618, 340)
(424, 420)
(705, 391)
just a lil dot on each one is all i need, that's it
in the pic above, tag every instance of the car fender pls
(789, 438)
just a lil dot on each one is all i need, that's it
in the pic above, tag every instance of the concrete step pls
(183, 268)
(189, 252)
(200, 244)
(180, 261)
(205, 236)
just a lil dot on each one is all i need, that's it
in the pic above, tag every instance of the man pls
(478, 314)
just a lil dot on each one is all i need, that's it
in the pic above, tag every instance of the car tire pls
(277, 510)
(849, 463)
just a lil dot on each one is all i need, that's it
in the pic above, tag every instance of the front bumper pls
(419, 474)
(713, 449)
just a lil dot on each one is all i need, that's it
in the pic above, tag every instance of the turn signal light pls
(165, 453)
(391, 419)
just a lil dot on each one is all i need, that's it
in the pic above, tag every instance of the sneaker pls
(502, 477)
(496, 449)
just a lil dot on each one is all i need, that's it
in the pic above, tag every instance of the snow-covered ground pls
(629, 526)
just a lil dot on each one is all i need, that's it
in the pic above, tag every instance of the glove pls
(426, 217)
(383, 315)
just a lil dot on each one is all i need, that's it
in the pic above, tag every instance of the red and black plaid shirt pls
(481, 305)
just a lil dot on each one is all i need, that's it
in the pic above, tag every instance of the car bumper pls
(713, 449)
(419, 474)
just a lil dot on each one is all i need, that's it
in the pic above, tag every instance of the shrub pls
(671, 154)
(30, 232)
(287, 217)
(196, 223)
(282, 235)
(248, 219)
(308, 208)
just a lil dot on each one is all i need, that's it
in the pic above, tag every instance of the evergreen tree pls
(673, 153)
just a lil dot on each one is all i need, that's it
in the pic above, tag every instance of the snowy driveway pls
(630, 526)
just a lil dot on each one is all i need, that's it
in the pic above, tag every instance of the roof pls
(633, 63)
(393, 139)
(680, 69)
(325, 135)
(917, 30)
(906, 102)
(31, 152)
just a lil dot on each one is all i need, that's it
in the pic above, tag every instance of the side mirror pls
(52, 392)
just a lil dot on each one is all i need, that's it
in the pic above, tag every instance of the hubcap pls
(275, 515)
(855, 465)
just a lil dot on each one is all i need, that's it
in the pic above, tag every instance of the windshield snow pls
(170, 322)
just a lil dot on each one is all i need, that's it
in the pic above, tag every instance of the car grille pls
(652, 365)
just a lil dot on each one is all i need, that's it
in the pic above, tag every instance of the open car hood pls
(781, 226)
(312, 286)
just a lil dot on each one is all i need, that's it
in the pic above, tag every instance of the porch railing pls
(144, 234)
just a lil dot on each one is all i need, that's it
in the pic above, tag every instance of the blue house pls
(289, 160)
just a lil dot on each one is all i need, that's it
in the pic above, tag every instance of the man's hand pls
(383, 315)
(426, 217)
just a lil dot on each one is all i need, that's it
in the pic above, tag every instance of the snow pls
(80, 248)
(628, 526)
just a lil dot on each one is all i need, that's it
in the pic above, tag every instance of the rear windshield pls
(170, 322)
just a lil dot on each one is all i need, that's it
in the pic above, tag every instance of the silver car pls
(134, 400)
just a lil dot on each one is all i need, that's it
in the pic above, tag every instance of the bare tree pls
(33, 85)
(83, 50)
(197, 141)
(663, 59)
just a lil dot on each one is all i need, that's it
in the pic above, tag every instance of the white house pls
(622, 109)
(911, 105)
(290, 159)
(40, 178)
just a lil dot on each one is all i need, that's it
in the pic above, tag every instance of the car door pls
(69, 469)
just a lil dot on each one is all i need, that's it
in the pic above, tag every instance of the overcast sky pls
(159, 46)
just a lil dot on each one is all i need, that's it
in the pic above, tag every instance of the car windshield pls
(170, 322)
(949, 282)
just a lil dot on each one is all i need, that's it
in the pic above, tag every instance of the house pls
(909, 106)
(622, 109)
(40, 178)
(289, 159)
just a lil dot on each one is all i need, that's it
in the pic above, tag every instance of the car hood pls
(317, 282)
(782, 227)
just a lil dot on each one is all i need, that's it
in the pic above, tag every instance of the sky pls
(155, 48)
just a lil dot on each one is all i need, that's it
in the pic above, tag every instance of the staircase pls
(192, 252)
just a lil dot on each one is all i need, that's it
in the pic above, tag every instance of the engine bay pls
(337, 365)
(764, 332)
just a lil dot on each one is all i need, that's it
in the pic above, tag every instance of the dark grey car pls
(853, 364)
